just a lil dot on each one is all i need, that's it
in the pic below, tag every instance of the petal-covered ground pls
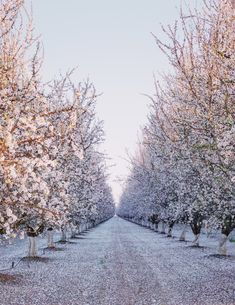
(119, 263)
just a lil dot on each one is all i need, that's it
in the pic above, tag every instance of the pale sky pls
(111, 43)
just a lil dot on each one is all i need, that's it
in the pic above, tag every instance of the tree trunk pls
(196, 226)
(196, 240)
(163, 228)
(169, 233)
(222, 244)
(207, 229)
(156, 227)
(73, 233)
(50, 240)
(32, 247)
(183, 234)
(63, 235)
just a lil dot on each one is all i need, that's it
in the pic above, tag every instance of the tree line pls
(52, 172)
(184, 170)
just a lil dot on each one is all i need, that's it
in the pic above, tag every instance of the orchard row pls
(184, 171)
(52, 173)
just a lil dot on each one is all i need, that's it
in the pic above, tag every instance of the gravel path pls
(120, 263)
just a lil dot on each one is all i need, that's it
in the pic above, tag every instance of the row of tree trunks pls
(222, 249)
(32, 249)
